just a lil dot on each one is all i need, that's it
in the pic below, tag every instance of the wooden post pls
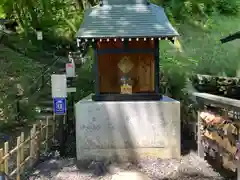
(72, 127)
(32, 145)
(61, 134)
(53, 127)
(156, 66)
(18, 157)
(97, 91)
(43, 78)
(41, 136)
(19, 95)
(22, 151)
(38, 142)
(46, 135)
(199, 141)
(238, 162)
(41, 130)
(1, 158)
(6, 150)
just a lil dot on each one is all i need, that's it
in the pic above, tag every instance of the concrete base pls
(127, 130)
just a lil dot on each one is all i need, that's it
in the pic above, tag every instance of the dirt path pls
(189, 167)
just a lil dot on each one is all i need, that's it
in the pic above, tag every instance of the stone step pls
(61, 61)
(46, 96)
(44, 116)
(62, 70)
(46, 103)
(46, 109)
(59, 65)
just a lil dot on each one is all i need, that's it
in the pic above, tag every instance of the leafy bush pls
(86, 77)
(228, 6)
(175, 70)
(187, 9)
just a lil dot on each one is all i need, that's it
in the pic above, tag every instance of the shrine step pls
(44, 116)
(47, 109)
(46, 103)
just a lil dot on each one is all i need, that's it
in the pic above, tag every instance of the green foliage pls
(228, 6)
(62, 18)
(203, 53)
(55, 18)
(86, 77)
(16, 69)
(198, 9)
(175, 68)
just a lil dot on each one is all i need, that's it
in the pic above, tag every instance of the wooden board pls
(141, 44)
(111, 44)
(223, 142)
(228, 162)
(142, 72)
(217, 100)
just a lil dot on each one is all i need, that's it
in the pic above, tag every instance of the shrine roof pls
(125, 21)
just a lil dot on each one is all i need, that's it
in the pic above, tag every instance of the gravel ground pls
(189, 167)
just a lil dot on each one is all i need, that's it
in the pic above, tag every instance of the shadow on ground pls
(188, 142)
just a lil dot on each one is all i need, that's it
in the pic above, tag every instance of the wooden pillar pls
(156, 65)
(199, 137)
(97, 91)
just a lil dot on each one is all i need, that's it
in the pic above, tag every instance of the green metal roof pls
(123, 2)
(126, 20)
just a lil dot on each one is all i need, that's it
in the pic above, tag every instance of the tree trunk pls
(79, 4)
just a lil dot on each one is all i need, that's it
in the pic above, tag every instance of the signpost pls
(62, 86)
(59, 95)
(71, 89)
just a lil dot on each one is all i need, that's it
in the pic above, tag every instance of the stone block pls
(128, 129)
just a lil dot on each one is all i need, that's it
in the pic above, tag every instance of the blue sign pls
(59, 106)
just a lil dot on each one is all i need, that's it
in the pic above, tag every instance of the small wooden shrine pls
(125, 35)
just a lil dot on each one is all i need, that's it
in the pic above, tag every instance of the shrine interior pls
(135, 58)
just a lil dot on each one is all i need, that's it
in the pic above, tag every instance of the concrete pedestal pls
(127, 130)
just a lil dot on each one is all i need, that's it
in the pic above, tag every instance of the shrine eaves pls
(125, 19)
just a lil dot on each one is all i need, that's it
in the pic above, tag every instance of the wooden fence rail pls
(27, 150)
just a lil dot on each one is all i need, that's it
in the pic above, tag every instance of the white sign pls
(71, 89)
(70, 69)
(59, 85)
(39, 35)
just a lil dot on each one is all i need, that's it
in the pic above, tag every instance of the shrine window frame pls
(125, 50)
